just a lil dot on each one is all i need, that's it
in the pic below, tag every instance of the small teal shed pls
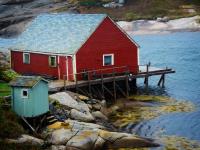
(30, 96)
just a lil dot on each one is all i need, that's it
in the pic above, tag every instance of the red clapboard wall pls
(107, 39)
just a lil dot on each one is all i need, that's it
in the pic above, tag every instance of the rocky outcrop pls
(79, 110)
(24, 139)
(161, 25)
(15, 14)
(78, 115)
(97, 139)
(61, 136)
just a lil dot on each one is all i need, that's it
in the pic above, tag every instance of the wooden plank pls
(89, 85)
(102, 86)
(114, 87)
(127, 86)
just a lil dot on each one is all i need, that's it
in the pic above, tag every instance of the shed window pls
(108, 59)
(52, 61)
(26, 58)
(24, 93)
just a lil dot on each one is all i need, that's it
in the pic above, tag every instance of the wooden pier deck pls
(144, 72)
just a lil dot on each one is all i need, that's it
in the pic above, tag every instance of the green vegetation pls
(8, 75)
(9, 126)
(143, 9)
(4, 89)
(5, 146)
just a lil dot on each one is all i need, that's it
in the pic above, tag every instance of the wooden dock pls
(144, 72)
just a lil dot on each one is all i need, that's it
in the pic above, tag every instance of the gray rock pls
(67, 100)
(87, 117)
(99, 143)
(117, 140)
(27, 139)
(103, 103)
(58, 147)
(77, 125)
(99, 115)
(96, 106)
(132, 142)
(61, 136)
(112, 136)
(84, 140)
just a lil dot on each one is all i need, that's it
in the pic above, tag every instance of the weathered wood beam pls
(108, 91)
(120, 89)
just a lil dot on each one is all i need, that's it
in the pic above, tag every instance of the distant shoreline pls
(143, 27)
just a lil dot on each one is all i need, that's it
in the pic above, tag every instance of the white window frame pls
(112, 61)
(22, 91)
(24, 58)
(50, 61)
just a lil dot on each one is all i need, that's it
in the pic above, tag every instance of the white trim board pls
(112, 61)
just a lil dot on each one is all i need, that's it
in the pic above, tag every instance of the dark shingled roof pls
(26, 81)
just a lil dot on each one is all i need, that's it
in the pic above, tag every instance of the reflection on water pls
(135, 115)
(145, 107)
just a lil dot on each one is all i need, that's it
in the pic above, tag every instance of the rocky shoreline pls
(84, 127)
(161, 25)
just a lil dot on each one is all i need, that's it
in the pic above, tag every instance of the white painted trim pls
(24, 58)
(22, 90)
(50, 61)
(67, 71)
(44, 53)
(58, 65)
(74, 66)
(112, 61)
(138, 55)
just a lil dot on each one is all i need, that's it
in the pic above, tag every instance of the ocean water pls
(181, 51)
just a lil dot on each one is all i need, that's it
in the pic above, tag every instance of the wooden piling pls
(127, 86)
(89, 85)
(65, 83)
(102, 87)
(114, 86)
(146, 79)
(76, 83)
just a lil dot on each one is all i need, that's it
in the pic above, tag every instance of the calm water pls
(182, 52)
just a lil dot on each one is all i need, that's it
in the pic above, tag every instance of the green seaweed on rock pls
(137, 113)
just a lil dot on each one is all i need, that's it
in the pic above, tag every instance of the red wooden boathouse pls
(65, 44)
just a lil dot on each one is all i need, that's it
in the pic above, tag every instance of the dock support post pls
(146, 80)
(102, 86)
(65, 82)
(114, 86)
(163, 83)
(89, 85)
(127, 86)
(76, 83)
(162, 80)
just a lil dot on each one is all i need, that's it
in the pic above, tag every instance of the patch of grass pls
(4, 89)
(9, 126)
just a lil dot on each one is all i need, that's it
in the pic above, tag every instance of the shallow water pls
(182, 52)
